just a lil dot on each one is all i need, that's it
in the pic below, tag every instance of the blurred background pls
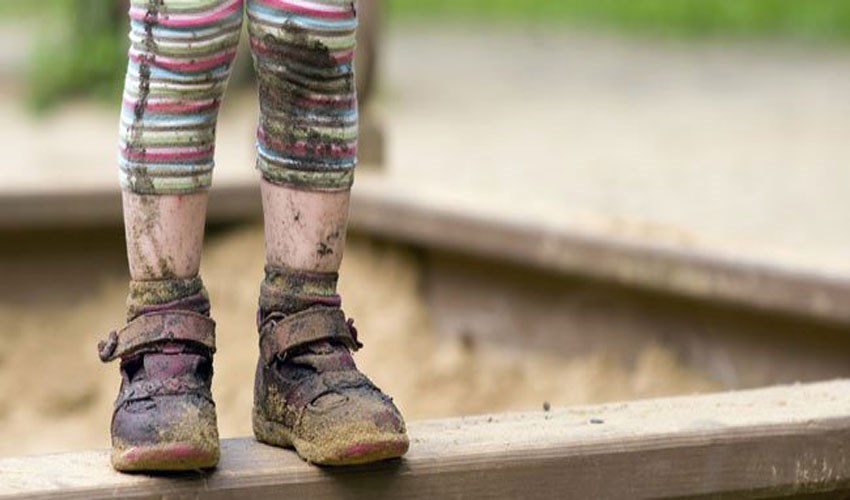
(559, 202)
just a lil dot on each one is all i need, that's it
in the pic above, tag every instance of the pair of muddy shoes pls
(308, 393)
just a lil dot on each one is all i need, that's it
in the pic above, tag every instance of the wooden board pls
(778, 441)
(694, 274)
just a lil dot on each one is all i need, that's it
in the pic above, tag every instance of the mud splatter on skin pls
(143, 227)
(331, 241)
(335, 235)
(152, 214)
(324, 250)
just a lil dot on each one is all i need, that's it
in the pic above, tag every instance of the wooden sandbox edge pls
(778, 441)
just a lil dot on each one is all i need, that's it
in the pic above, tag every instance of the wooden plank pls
(376, 210)
(777, 441)
(692, 273)
(94, 207)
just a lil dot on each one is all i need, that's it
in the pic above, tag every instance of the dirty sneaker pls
(164, 417)
(309, 395)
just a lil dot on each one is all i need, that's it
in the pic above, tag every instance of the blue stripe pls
(189, 166)
(350, 114)
(127, 115)
(294, 161)
(280, 17)
(158, 73)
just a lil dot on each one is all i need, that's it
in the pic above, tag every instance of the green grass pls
(805, 19)
(85, 56)
(29, 9)
(813, 19)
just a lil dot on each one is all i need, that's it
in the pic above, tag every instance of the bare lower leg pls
(164, 234)
(305, 230)
(309, 393)
(169, 371)
(332, 414)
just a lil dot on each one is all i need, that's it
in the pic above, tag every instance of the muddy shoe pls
(164, 418)
(309, 394)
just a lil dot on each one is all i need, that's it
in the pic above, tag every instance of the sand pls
(55, 395)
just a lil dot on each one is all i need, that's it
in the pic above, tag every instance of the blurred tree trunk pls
(368, 39)
(90, 15)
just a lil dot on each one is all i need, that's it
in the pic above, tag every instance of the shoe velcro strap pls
(156, 328)
(302, 328)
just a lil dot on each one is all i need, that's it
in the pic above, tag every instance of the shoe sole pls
(379, 447)
(170, 457)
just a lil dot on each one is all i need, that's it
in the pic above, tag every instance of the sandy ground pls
(55, 395)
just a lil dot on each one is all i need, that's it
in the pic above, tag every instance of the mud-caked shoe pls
(164, 417)
(309, 394)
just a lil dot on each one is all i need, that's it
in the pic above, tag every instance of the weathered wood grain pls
(778, 441)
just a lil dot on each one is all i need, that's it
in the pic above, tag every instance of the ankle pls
(186, 294)
(288, 291)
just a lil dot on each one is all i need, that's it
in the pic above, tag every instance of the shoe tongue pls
(168, 365)
(322, 347)
(325, 356)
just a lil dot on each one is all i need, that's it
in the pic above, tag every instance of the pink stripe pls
(165, 106)
(343, 56)
(184, 20)
(303, 148)
(167, 154)
(329, 102)
(311, 9)
(182, 64)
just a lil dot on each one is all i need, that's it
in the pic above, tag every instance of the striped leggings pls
(179, 62)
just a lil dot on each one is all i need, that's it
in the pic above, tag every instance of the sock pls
(167, 294)
(288, 291)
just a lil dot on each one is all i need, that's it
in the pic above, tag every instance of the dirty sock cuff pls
(288, 290)
(186, 293)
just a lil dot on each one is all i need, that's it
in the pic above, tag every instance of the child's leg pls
(304, 229)
(180, 59)
(164, 235)
(309, 393)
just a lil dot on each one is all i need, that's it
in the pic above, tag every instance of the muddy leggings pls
(179, 62)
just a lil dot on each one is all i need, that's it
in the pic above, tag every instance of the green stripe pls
(326, 179)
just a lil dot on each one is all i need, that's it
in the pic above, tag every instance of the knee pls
(304, 60)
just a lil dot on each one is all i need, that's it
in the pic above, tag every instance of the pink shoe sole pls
(370, 452)
(374, 448)
(169, 457)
